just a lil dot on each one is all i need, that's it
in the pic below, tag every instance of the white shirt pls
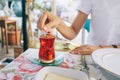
(105, 21)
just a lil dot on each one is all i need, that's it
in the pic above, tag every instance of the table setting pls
(28, 69)
(98, 66)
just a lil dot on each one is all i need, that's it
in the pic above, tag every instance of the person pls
(104, 27)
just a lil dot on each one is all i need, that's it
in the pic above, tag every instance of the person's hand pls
(47, 21)
(85, 49)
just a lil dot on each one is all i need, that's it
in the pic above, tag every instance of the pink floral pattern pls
(28, 67)
(25, 67)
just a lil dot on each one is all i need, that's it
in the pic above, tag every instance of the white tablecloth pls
(13, 68)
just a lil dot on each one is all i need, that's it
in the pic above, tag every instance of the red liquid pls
(46, 52)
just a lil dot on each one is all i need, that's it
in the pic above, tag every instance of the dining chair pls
(4, 31)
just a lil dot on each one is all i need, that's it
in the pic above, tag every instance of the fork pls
(84, 63)
(85, 67)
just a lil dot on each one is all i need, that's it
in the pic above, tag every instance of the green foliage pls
(37, 6)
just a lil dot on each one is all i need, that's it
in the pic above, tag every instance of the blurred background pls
(27, 29)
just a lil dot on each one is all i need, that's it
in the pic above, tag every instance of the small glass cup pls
(46, 51)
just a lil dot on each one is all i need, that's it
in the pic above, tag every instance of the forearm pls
(110, 46)
(72, 31)
(66, 31)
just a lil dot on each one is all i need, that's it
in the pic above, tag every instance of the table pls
(22, 66)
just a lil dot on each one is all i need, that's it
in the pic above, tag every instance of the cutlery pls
(84, 63)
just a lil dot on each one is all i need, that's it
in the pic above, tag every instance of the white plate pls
(108, 59)
(78, 75)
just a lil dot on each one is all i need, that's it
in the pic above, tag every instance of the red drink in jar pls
(46, 52)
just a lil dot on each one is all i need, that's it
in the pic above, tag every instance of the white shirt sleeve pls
(85, 6)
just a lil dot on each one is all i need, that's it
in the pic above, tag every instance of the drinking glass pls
(46, 51)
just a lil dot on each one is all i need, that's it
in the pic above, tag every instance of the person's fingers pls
(46, 12)
(81, 51)
(50, 25)
(46, 22)
(75, 51)
(41, 21)
(39, 25)
(38, 22)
